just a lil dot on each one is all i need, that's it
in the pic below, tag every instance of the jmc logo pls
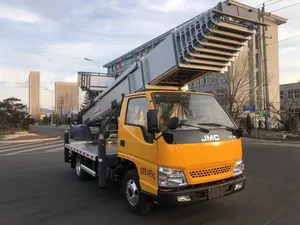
(212, 137)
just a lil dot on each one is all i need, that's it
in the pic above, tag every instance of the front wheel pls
(138, 202)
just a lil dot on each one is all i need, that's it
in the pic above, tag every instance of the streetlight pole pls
(52, 105)
(87, 59)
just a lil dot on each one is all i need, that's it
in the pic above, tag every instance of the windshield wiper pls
(200, 128)
(218, 125)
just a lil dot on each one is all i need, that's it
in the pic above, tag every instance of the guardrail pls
(49, 126)
(49, 130)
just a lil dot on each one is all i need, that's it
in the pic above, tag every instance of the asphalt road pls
(37, 187)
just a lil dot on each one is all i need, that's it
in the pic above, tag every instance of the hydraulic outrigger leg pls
(102, 158)
(102, 161)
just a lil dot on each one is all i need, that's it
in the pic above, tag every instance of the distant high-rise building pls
(66, 97)
(34, 93)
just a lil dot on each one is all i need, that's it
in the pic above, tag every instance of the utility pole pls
(266, 71)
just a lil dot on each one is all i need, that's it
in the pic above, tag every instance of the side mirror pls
(173, 123)
(152, 121)
(239, 132)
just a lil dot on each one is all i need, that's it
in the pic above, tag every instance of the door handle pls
(122, 143)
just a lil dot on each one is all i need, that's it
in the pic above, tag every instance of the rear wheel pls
(81, 174)
(137, 201)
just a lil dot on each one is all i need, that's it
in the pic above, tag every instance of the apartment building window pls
(222, 79)
(129, 60)
(256, 41)
(297, 113)
(256, 60)
(207, 80)
(222, 95)
(144, 52)
(296, 93)
(257, 79)
(294, 112)
(137, 56)
(290, 93)
(196, 83)
(281, 94)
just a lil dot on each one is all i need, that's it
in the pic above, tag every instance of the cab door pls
(136, 144)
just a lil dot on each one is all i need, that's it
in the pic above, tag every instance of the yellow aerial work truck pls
(173, 146)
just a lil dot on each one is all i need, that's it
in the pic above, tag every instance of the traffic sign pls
(261, 112)
(249, 108)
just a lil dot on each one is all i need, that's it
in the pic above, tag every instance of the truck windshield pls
(190, 108)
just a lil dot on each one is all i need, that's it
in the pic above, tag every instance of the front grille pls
(210, 171)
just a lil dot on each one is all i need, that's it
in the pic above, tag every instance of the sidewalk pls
(246, 139)
(27, 137)
(271, 136)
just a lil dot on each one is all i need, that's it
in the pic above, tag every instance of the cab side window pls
(137, 112)
(136, 115)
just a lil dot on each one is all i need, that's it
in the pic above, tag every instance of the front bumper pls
(198, 194)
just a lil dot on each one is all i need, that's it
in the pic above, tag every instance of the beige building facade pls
(66, 97)
(34, 93)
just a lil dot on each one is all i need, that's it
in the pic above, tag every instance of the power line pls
(275, 2)
(264, 2)
(286, 7)
(285, 39)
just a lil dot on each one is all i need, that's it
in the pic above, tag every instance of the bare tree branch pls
(237, 84)
(288, 114)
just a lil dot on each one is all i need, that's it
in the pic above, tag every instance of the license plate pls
(216, 192)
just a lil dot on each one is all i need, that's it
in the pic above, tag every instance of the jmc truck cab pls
(174, 147)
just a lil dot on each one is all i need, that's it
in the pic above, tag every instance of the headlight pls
(171, 177)
(238, 168)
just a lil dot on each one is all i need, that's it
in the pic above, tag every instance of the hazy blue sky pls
(53, 36)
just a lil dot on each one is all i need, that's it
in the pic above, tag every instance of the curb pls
(34, 140)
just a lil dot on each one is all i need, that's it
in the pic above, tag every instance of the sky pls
(54, 36)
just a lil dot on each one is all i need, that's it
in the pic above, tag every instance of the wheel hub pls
(78, 168)
(132, 192)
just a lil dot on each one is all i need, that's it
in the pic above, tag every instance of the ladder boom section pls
(205, 43)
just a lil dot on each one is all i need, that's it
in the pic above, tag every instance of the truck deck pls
(90, 150)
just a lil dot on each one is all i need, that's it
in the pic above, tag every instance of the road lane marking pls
(56, 150)
(27, 143)
(35, 149)
(17, 144)
(14, 148)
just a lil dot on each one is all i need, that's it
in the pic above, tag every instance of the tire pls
(81, 174)
(138, 202)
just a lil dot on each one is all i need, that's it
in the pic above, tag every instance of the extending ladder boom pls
(206, 43)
